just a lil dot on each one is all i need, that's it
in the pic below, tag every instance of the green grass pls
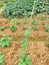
(25, 60)
(24, 44)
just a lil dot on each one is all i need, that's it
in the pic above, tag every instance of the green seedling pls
(13, 27)
(5, 41)
(1, 59)
(27, 33)
(24, 60)
(35, 22)
(24, 44)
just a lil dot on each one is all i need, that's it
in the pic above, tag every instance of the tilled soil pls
(38, 51)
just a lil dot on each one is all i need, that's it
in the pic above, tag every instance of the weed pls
(24, 44)
(5, 41)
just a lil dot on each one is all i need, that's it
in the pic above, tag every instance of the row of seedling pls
(24, 58)
(35, 22)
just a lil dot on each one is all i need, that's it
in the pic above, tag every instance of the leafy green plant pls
(2, 27)
(13, 27)
(27, 33)
(24, 59)
(46, 27)
(24, 8)
(24, 44)
(1, 59)
(35, 22)
(5, 41)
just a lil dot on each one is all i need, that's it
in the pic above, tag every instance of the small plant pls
(5, 41)
(2, 27)
(24, 44)
(24, 60)
(1, 59)
(46, 27)
(13, 27)
(35, 27)
(35, 22)
(27, 33)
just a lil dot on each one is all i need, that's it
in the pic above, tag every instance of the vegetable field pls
(24, 32)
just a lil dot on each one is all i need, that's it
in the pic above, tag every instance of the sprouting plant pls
(5, 41)
(27, 33)
(46, 27)
(13, 26)
(35, 22)
(35, 27)
(2, 27)
(24, 44)
(1, 59)
(24, 59)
